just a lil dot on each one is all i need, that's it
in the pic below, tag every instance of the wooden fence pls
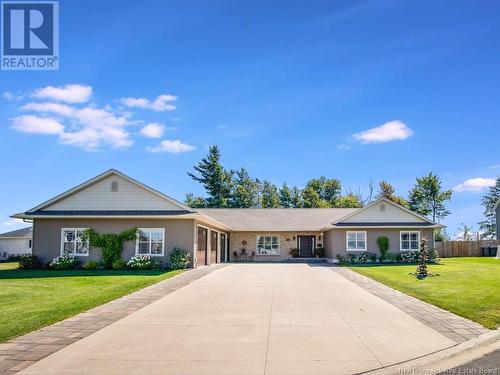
(475, 248)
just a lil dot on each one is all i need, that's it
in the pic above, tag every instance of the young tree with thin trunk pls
(428, 198)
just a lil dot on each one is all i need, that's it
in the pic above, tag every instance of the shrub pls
(29, 262)
(409, 256)
(294, 252)
(90, 265)
(118, 264)
(364, 257)
(383, 246)
(433, 256)
(13, 258)
(341, 259)
(179, 259)
(64, 262)
(391, 258)
(143, 262)
(319, 252)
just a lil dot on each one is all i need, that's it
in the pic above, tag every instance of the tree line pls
(237, 189)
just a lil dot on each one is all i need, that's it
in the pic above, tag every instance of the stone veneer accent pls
(286, 243)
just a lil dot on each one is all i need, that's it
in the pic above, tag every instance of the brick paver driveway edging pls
(23, 351)
(454, 327)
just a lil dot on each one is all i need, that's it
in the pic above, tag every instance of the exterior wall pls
(15, 246)
(336, 240)
(99, 196)
(209, 244)
(47, 235)
(383, 212)
(286, 242)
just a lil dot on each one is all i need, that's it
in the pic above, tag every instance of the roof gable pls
(111, 190)
(383, 211)
(18, 233)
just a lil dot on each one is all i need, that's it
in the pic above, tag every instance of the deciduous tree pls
(428, 198)
(487, 226)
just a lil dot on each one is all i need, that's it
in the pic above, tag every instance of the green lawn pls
(469, 287)
(33, 299)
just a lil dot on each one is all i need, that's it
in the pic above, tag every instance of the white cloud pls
(11, 97)
(390, 131)
(475, 184)
(37, 125)
(71, 93)
(343, 147)
(494, 166)
(172, 146)
(12, 222)
(160, 104)
(153, 130)
(89, 128)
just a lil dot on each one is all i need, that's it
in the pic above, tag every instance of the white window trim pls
(162, 230)
(401, 241)
(61, 252)
(347, 240)
(266, 255)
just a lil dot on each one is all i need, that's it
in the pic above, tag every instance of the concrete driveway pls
(253, 319)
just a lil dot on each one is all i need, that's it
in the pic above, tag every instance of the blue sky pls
(289, 90)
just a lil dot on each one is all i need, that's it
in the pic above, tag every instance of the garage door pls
(201, 253)
(214, 238)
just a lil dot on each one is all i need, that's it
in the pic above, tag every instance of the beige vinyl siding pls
(100, 197)
(336, 240)
(383, 212)
(47, 235)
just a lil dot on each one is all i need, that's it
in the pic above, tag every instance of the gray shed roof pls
(277, 219)
(18, 233)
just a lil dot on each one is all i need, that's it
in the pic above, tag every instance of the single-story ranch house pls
(15, 242)
(113, 202)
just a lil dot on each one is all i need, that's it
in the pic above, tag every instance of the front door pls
(306, 246)
(201, 253)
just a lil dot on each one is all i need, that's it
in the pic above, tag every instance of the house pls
(15, 242)
(113, 202)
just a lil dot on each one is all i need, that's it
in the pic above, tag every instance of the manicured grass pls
(469, 287)
(31, 299)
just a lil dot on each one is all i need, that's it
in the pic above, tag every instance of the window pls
(268, 245)
(74, 242)
(114, 186)
(150, 241)
(409, 241)
(356, 241)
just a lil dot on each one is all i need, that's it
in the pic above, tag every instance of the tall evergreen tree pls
(487, 226)
(296, 197)
(428, 198)
(386, 190)
(286, 196)
(269, 195)
(214, 178)
(245, 190)
(195, 202)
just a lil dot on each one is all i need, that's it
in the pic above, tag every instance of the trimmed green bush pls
(29, 262)
(143, 262)
(118, 264)
(294, 252)
(319, 252)
(64, 262)
(90, 265)
(383, 247)
(179, 259)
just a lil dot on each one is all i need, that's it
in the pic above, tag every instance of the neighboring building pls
(15, 242)
(113, 202)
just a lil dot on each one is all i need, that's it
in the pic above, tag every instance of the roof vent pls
(114, 186)
(382, 207)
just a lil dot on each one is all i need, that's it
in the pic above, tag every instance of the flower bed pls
(143, 262)
(64, 262)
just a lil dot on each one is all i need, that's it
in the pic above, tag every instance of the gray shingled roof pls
(277, 219)
(18, 233)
